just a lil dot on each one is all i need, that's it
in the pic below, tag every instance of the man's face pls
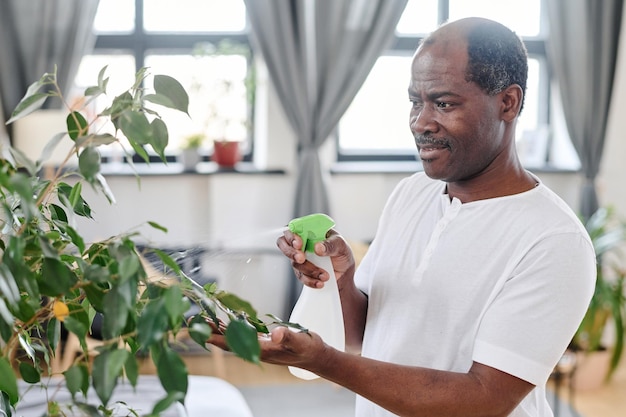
(457, 127)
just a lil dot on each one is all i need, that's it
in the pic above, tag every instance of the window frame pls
(139, 43)
(405, 45)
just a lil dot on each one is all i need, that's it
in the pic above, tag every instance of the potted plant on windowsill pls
(226, 153)
(52, 279)
(190, 151)
(596, 360)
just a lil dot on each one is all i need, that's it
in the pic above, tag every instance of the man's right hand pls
(309, 274)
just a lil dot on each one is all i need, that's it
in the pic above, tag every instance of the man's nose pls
(423, 121)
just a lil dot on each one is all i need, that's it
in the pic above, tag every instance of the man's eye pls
(443, 105)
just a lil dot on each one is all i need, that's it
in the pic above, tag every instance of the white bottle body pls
(319, 310)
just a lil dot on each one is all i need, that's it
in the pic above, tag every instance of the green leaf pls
(57, 213)
(169, 93)
(5, 405)
(136, 127)
(158, 226)
(165, 403)
(77, 125)
(33, 99)
(7, 318)
(107, 367)
(95, 140)
(77, 379)
(236, 304)
(79, 206)
(8, 380)
(89, 163)
(47, 151)
(29, 373)
(53, 333)
(56, 278)
(8, 286)
(115, 311)
(129, 263)
(24, 161)
(175, 304)
(131, 370)
(77, 239)
(103, 186)
(168, 261)
(96, 273)
(159, 138)
(74, 195)
(25, 343)
(243, 340)
(199, 330)
(152, 324)
(141, 151)
(172, 371)
(76, 326)
(22, 186)
(120, 104)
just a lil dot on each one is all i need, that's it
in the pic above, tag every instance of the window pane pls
(378, 118)
(521, 16)
(529, 118)
(115, 16)
(419, 17)
(216, 85)
(194, 15)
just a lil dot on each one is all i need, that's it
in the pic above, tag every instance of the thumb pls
(278, 334)
(334, 245)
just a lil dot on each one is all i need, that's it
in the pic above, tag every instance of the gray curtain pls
(36, 35)
(318, 54)
(582, 50)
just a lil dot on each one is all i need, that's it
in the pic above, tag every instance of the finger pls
(290, 245)
(218, 340)
(310, 275)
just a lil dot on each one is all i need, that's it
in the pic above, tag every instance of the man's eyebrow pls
(438, 94)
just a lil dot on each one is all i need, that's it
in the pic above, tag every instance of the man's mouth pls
(431, 148)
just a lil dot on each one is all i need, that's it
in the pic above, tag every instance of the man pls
(478, 275)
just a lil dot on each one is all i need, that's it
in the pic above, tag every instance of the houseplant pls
(190, 150)
(52, 279)
(608, 304)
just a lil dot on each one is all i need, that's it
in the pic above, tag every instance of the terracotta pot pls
(226, 153)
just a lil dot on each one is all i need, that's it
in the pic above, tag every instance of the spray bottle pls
(318, 309)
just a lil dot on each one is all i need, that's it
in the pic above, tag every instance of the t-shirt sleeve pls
(530, 322)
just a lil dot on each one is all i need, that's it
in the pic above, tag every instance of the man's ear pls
(512, 98)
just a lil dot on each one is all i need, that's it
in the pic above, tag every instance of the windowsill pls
(176, 168)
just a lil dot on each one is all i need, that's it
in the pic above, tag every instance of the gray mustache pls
(425, 140)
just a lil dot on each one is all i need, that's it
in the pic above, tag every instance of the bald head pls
(496, 56)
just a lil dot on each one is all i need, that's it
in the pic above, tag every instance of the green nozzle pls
(311, 229)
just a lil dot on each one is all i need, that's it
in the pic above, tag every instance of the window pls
(369, 131)
(201, 43)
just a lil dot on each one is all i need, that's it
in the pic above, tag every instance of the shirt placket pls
(450, 210)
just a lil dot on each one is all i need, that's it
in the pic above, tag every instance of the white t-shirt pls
(503, 282)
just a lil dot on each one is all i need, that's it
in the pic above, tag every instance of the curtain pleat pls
(582, 51)
(37, 36)
(318, 54)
